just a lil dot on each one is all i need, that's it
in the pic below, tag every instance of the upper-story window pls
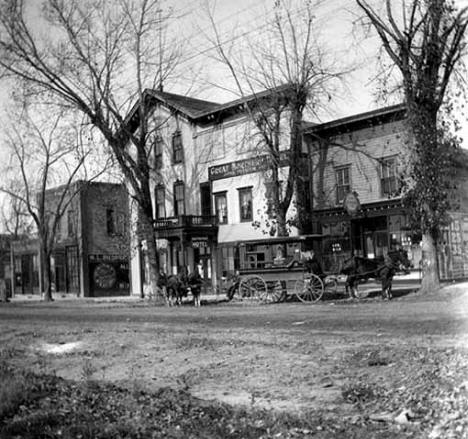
(343, 183)
(245, 204)
(179, 198)
(388, 177)
(221, 207)
(158, 151)
(177, 148)
(71, 229)
(111, 223)
(115, 222)
(160, 196)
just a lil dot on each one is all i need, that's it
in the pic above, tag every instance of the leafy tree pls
(425, 40)
(97, 57)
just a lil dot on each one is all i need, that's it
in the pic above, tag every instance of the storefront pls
(370, 231)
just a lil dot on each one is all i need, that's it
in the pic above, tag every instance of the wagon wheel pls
(309, 289)
(253, 288)
(276, 292)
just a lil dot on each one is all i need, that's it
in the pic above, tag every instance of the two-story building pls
(91, 249)
(358, 207)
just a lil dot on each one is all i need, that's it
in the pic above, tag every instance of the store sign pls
(351, 203)
(242, 167)
(200, 242)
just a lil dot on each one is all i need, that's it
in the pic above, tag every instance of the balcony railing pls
(186, 221)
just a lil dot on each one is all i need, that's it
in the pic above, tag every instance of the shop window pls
(221, 207)
(343, 184)
(177, 148)
(388, 177)
(160, 197)
(179, 198)
(245, 204)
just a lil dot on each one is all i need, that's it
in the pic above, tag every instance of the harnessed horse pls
(357, 268)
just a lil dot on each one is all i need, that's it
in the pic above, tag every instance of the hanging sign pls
(351, 203)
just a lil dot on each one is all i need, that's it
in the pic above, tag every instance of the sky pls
(202, 77)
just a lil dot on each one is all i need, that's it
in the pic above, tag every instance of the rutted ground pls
(365, 362)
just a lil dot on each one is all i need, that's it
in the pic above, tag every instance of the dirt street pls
(342, 358)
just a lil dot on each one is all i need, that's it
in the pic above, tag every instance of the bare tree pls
(291, 64)
(43, 154)
(97, 57)
(425, 40)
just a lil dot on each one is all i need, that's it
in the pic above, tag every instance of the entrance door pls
(73, 273)
(370, 237)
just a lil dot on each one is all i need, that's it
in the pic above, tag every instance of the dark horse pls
(177, 286)
(357, 268)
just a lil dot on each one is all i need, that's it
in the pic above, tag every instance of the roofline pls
(369, 115)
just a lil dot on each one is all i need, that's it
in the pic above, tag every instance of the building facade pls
(208, 189)
(358, 208)
(91, 249)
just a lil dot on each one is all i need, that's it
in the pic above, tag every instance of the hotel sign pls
(243, 167)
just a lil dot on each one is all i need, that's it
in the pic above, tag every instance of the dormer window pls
(177, 148)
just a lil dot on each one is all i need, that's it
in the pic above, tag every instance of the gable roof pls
(191, 107)
(356, 121)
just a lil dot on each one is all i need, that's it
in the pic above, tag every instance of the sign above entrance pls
(351, 203)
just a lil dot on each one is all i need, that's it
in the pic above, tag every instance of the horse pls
(195, 282)
(357, 268)
(175, 286)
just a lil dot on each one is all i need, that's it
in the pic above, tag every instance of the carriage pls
(271, 270)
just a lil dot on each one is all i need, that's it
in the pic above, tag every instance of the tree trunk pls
(430, 268)
(47, 274)
(148, 234)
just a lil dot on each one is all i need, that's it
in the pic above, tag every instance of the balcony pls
(186, 225)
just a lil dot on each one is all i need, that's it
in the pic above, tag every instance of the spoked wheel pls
(310, 289)
(276, 292)
(253, 288)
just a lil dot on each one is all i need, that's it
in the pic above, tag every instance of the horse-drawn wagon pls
(272, 269)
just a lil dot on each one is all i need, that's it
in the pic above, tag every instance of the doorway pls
(370, 237)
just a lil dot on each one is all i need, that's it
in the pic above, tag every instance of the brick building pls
(91, 251)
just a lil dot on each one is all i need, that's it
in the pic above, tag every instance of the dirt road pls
(346, 359)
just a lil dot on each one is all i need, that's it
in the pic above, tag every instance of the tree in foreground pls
(96, 57)
(291, 64)
(425, 40)
(43, 154)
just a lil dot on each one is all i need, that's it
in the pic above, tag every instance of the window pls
(158, 151)
(205, 199)
(388, 177)
(71, 224)
(179, 198)
(245, 204)
(110, 222)
(177, 148)
(343, 185)
(160, 197)
(115, 222)
(221, 207)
